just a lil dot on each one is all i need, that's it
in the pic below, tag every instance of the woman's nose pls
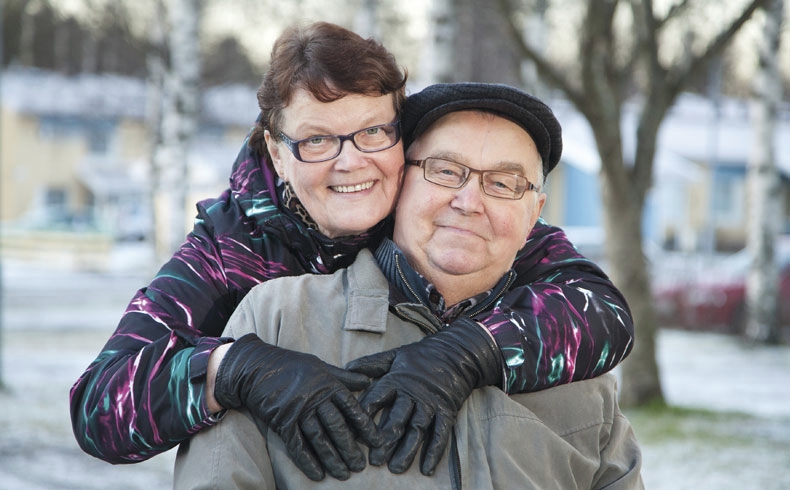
(350, 157)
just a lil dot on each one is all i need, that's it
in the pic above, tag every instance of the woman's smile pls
(353, 188)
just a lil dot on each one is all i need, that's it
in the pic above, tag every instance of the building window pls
(95, 133)
(728, 196)
(55, 198)
(98, 140)
(58, 127)
(55, 204)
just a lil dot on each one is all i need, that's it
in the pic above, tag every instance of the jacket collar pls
(411, 286)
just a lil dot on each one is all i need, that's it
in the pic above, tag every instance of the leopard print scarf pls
(293, 203)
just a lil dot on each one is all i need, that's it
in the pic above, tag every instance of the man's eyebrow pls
(448, 155)
(505, 166)
(509, 167)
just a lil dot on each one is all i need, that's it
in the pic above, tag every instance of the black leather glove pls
(421, 389)
(305, 400)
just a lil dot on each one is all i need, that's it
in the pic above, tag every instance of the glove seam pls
(492, 345)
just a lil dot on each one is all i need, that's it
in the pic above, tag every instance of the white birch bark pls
(365, 23)
(180, 106)
(438, 59)
(535, 32)
(155, 87)
(27, 33)
(763, 183)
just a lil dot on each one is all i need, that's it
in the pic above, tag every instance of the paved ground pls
(55, 323)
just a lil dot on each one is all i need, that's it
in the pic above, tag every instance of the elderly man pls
(476, 161)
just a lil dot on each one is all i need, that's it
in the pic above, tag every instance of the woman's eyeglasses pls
(321, 148)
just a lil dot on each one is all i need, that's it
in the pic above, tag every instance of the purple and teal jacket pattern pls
(144, 394)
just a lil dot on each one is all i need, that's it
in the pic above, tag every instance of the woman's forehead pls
(354, 111)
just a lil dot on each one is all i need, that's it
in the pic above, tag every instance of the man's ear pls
(539, 206)
(541, 201)
(274, 152)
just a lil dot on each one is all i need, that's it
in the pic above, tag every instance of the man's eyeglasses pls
(321, 148)
(446, 173)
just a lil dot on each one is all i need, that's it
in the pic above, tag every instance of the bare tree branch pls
(696, 64)
(665, 84)
(675, 11)
(599, 73)
(646, 28)
(545, 68)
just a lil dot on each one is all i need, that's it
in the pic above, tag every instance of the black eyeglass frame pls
(529, 186)
(293, 145)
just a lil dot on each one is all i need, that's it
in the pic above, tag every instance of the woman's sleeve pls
(564, 321)
(143, 394)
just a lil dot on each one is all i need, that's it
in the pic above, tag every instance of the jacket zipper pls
(455, 464)
(487, 304)
(403, 278)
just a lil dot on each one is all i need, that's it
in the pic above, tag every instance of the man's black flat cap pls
(425, 107)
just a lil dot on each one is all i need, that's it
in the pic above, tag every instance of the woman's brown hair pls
(330, 62)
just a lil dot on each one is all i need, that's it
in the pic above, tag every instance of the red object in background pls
(715, 300)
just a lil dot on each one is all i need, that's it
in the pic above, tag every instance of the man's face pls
(448, 233)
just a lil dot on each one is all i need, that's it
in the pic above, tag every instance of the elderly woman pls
(328, 129)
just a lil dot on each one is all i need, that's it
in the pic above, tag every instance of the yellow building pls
(74, 156)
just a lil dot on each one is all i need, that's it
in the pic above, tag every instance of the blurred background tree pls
(762, 285)
(174, 63)
(620, 57)
(106, 36)
(100, 39)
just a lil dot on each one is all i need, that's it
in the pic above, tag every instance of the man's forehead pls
(470, 119)
(439, 141)
(470, 115)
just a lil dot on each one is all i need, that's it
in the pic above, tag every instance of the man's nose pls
(469, 198)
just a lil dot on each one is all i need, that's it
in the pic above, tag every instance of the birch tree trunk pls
(156, 64)
(762, 285)
(438, 58)
(469, 41)
(2, 197)
(180, 106)
(27, 33)
(535, 31)
(365, 23)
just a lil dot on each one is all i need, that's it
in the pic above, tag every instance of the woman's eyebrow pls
(313, 128)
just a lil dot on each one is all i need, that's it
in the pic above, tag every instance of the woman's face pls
(350, 193)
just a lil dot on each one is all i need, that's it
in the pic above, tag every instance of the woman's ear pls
(274, 152)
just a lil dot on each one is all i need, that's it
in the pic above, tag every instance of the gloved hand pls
(306, 401)
(421, 389)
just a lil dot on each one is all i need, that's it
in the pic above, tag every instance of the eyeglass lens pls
(496, 184)
(368, 140)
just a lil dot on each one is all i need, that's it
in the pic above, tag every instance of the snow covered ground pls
(745, 443)
(54, 322)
